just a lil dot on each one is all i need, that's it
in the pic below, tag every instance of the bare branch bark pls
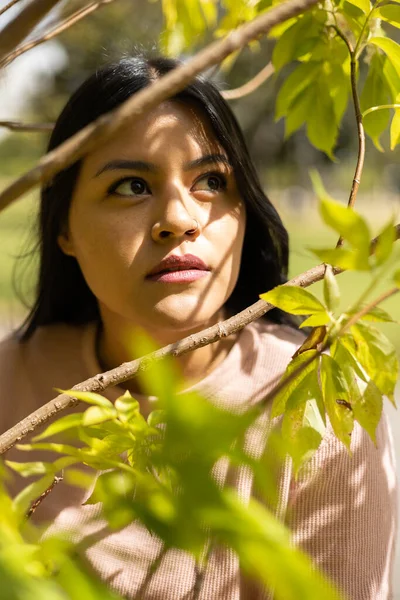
(59, 28)
(251, 86)
(109, 124)
(17, 29)
(7, 6)
(17, 126)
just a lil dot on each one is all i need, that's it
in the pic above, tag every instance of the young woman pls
(166, 227)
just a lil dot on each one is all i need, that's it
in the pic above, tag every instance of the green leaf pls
(376, 92)
(390, 13)
(366, 404)
(316, 320)
(322, 126)
(376, 314)
(347, 223)
(351, 260)
(384, 245)
(279, 401)
(294, 300)
(299, 110)
(336, 397)
(391, 49)
(88, 397)
(331, 290)
(378, 357)
(396, 278)
(293, 86)
(98, 414)
(395, 130)
(30, 468)
(62, 424)
(291, 44)
(363, 5)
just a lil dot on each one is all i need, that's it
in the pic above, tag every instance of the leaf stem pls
(366, 309)
(381, 107)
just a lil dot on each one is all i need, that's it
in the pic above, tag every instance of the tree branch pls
(17, 29)
(250, 86)
(109, 124)
(9, 5)
(360, 127)
(59, 28)
(17, 126)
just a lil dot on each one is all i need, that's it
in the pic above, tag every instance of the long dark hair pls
(62, 294)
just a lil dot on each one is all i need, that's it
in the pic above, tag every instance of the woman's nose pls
(176, 221)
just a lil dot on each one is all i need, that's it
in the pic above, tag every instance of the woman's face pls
(162, 188)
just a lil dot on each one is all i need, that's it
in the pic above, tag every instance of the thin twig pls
(17, 126)
(127, 370)
(365, 310)
(250, 86)
(36, 503)
(16, 30)
(360, 127)
(59, 28)
(170, 84)
(9, 5)
(381, 107)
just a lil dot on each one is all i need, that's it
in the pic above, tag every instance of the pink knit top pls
(342, 511)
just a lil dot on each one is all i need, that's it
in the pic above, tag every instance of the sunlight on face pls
(162, 188)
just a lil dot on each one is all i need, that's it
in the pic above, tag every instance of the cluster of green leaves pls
(347, 384)
(160, 471)
(317, 90)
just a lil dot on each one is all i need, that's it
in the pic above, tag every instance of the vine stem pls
(109, 124)
(62, 26)
(127, 370)
(381, 107)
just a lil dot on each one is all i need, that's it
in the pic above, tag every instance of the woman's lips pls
(183, 276)
(179, 269)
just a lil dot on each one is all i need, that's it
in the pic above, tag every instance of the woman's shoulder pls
(273, 339)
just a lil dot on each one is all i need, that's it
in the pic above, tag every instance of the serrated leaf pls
(391, 49)
(350, 260)
(88, 397)
(98, 414)
(378, 357)
(279, 401)
(336, 397)
(331, 289)
(395, 130)
(347, 223)
(316, 320)
(294, 300)
(61, 425)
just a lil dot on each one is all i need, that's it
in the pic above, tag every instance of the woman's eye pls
(133, 186)
(211, 183)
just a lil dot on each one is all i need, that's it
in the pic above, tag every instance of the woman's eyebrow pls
(147, 167)
(132, 165)
(208, 159)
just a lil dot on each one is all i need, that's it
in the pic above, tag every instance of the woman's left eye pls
(131, 186)
(212, 182)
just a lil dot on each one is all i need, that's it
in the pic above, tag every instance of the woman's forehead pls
(171, 127)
